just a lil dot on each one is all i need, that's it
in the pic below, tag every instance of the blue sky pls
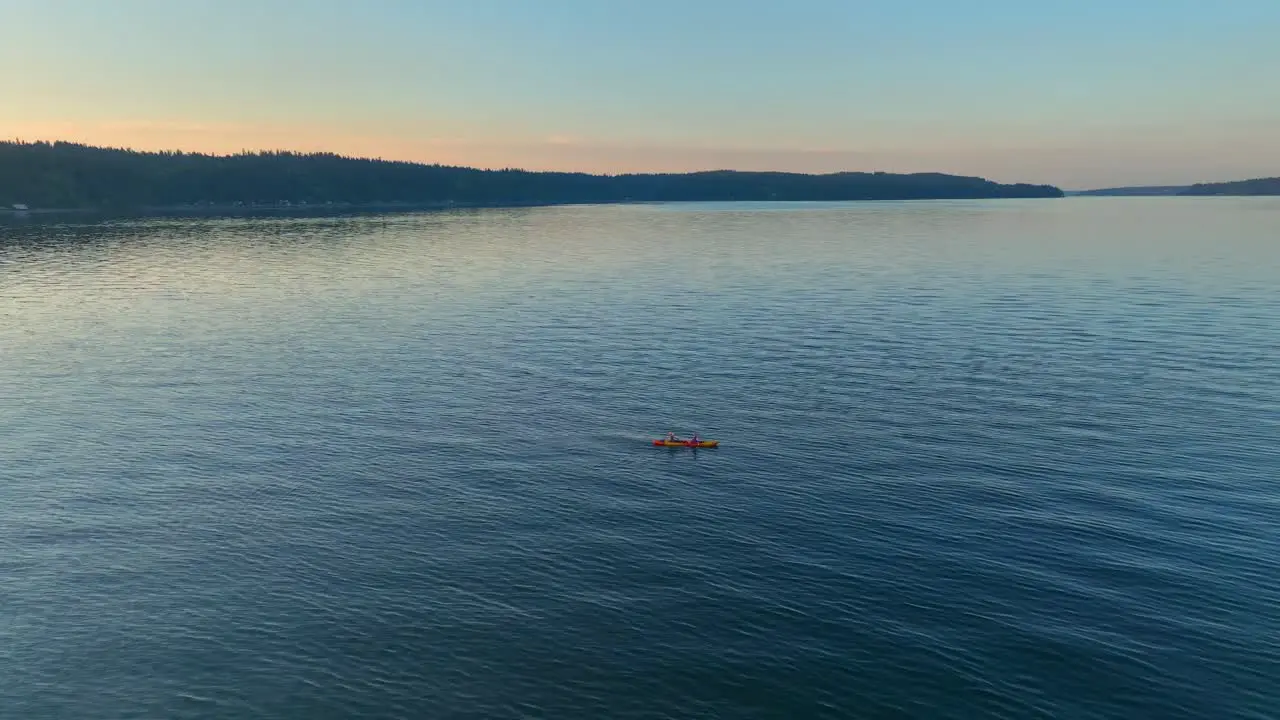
(1079, 94)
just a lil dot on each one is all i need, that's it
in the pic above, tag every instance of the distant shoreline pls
(242, 210)
(329, 209)
(1240, 188)
(62, 177)
(232, 210)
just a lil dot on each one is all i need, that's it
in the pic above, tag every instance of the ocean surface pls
(980, 459)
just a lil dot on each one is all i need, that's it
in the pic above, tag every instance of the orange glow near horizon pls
(1065, 166)
(1077, 95)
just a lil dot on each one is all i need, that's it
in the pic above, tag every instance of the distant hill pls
(1259, 186)
(1133, 191)
(68, 175)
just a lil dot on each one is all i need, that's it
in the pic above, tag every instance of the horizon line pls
(494, 167)
(367, 158)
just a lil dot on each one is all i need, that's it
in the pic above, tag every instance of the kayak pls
(686, 443)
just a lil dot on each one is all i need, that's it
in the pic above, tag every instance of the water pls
(1007, 459)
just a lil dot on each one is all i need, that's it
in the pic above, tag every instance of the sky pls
(1080, 94)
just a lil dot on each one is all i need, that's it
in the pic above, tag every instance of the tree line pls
(1258, 186)
(70, 175)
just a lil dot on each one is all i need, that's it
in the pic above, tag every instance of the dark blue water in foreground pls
(1009, 459)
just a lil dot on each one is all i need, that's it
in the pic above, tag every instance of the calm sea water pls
(1008, 459)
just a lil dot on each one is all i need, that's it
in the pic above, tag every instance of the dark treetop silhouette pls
(68, 175)
(1259, 186)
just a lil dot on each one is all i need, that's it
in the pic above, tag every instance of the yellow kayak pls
(686, 443)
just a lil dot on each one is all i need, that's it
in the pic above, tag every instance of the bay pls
(978, 459)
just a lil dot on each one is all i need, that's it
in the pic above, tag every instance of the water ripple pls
(996, 459)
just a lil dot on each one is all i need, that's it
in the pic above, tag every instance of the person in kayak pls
(671, 437)
(694, 440)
